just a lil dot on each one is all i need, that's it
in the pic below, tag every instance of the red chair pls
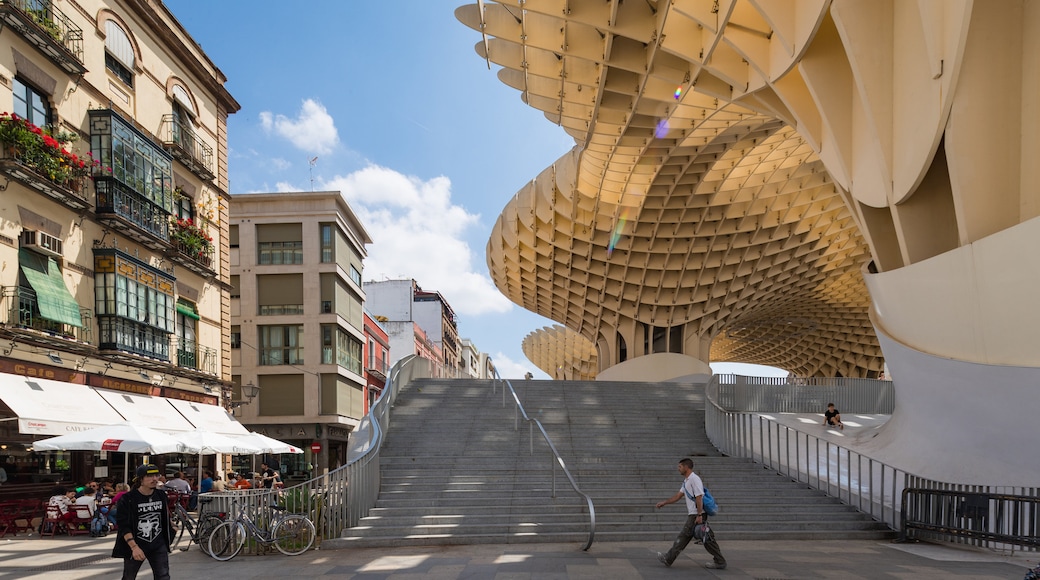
(80, 522)
(28, 510)
(8, 514)
(52, 522)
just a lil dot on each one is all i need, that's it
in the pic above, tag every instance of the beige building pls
(107, 289)
(826, 187)
(298, 322)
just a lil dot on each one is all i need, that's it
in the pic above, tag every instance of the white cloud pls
(510, 369)
(279, 164)
(418, 233)
(313, 129)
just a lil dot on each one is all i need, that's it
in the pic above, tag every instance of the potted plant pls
(191, 239)
(44, 151)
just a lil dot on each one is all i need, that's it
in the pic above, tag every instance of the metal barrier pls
(991, 517)
(858, 480)
(811, 395)
(532, 423)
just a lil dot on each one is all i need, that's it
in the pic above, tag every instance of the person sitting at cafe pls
(89, 496)
(239, 482)
(206, 485)
(63, 497)
(121, 488)
(218, 483)
(178, 484)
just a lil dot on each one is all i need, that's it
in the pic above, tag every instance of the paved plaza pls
(86, 558)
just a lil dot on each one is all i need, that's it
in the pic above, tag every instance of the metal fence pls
(871, 486)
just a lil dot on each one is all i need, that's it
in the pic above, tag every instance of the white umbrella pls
(209, 443)
(119, 437)
(265, 444)
(124, 437)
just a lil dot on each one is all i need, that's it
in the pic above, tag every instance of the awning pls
(188, 309)
(53, 298)
(46, 407)
(154, 412)
(209, 418)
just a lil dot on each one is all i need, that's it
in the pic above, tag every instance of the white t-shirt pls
(87, 500)
(178, 485)
(691, 487)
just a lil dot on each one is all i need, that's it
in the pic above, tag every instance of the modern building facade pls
(824, 187)
(298, 321)
(403, 301)
(113, 162)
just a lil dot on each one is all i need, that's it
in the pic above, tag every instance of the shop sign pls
(41, 371)
(121, 385)
(171, 393)
(338, 432)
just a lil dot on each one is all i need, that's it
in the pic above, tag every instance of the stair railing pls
(735, 426)
(519, 413)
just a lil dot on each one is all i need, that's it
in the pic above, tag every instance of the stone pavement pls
(87, 558)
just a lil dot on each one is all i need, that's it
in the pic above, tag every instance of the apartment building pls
(377, 359)
(114, 300)
(404, 301)
(298, 329)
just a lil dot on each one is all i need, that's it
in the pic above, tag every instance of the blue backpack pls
(707, 502)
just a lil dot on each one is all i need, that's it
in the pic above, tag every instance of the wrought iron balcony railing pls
(181, 141)
(192, 355)
(48, 29)
(70, 193)
(120, 206)
(19, 309)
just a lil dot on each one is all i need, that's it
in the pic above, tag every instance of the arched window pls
(119, 53)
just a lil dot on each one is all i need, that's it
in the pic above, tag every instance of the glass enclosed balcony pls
(136, 198)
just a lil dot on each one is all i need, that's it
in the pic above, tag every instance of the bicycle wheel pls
(226, 541)
(294, 535)
(179, 527)
(205, 530)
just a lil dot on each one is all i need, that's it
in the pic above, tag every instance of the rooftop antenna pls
(313, 162)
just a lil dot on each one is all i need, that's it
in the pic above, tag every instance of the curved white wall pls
(978, 303)
(658, 367)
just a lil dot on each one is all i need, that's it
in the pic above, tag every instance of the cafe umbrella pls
(122, 437)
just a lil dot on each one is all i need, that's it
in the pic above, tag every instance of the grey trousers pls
(686, 535)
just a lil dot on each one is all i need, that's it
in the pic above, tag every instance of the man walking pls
(693, 490)
(144, 527)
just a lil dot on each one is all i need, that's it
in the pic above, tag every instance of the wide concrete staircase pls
(454, 470)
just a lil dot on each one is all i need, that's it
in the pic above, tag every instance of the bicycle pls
(291, 534)
(199, 529)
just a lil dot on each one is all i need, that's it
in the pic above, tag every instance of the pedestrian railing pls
(958, 515)
(518, 414)
(736, 427)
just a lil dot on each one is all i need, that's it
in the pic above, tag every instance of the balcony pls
(192, 356)
(186, 257)
(181, 141)
(136, 197)
(48, 29)
(20, 318)
(70, 193)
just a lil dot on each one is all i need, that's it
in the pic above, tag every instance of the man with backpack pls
(696, 522)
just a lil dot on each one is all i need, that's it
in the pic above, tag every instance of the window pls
(187, 347)
(355, 275)
(371, 354)
(340, 348)
(182, 206)
(135, 305)
(233, 235)
(31, 104)
(236, 336)
(276, 253)
(328, 253)
(182, 128)
(119, 53)
(281, 345)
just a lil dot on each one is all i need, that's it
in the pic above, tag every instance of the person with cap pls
(144, 524)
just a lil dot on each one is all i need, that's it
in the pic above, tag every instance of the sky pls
(390, 104)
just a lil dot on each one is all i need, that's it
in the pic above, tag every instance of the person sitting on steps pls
(832, 418)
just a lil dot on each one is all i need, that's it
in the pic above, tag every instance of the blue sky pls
(404, 118)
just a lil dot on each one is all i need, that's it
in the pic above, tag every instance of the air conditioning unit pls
(42, 242)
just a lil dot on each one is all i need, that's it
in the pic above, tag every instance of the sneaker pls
(663, 560)
(715, 566)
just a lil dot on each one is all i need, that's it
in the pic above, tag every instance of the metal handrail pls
(858, 480)
(520, 412)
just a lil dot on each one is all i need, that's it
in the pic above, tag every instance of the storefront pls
(35, 403)
(324, 449)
